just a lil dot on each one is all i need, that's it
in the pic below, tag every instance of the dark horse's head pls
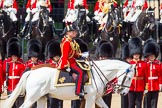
(7, 30)
(43, 28)
(144, 26)
(81, 23)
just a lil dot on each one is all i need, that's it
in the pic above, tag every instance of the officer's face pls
(72, 34)
(151, 57)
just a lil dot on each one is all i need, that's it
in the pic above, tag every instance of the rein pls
(44, 26)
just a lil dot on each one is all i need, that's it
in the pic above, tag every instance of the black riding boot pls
(15, 27)
(52, 25)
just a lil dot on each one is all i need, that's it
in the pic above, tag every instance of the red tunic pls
(15, 70)
(52, 62)
(69, 50)
(139, 79)
(33, 4)
(30, 64)
(154, 77)
(97, 7)
(14, 4)
(125, 4)
(1, 80)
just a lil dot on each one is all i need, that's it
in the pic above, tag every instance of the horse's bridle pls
(115, 86)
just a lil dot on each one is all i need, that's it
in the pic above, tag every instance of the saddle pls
(65, 78)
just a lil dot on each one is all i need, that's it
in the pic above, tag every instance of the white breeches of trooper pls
(12, 13)
(161, 16)
(98, 16)
(129, 16)
(35, 17)
(103, 20)
(136, 15)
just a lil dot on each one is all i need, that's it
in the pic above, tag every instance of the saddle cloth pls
(65, 78)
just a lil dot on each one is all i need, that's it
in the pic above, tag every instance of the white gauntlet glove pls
(68, 69)
(28, 10)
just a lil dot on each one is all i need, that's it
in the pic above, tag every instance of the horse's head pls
(124, 80)
(146, 21)
(44, 14)
(81, 16)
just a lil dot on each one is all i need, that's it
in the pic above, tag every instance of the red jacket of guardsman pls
(9, 3)
(34, 3)
(139, 81)
(154, 77)
(1, 78)
(52, 62)
(30, 63)
(15, 70)
(70, 50)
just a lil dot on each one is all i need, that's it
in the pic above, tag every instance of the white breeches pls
(135, 16)
(103, 20)
(13, 17)
(129, 16)
(35, 17)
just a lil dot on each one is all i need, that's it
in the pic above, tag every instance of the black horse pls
(111, 32)
(144, 27)
(8, 29)
(82, 24)
(43, 29)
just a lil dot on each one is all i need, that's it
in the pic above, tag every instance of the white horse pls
(40, 82)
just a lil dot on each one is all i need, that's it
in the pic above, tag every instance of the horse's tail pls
(19, 90)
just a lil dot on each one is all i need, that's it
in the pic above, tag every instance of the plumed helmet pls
(135, 46)
(83, 46)
(106, 50)
(14, 48)
(53, 49)
(34, 48)
(68, 28)
(125, 51)
(151, 48)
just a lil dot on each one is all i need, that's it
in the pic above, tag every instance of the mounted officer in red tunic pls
(70, 51)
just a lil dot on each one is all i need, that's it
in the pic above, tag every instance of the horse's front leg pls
(90, 101)
(100, 102)
(42, 102)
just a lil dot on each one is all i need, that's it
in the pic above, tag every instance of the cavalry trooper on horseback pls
(102, 7)
(72, 11)
(70, 51)
(10, 7)
(33, 8)
(137, 7)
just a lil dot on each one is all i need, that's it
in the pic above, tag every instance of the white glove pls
(34, 10)
(145, 91)
(160, 87)
(28, 10)
(85, 54)
(68, 69)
